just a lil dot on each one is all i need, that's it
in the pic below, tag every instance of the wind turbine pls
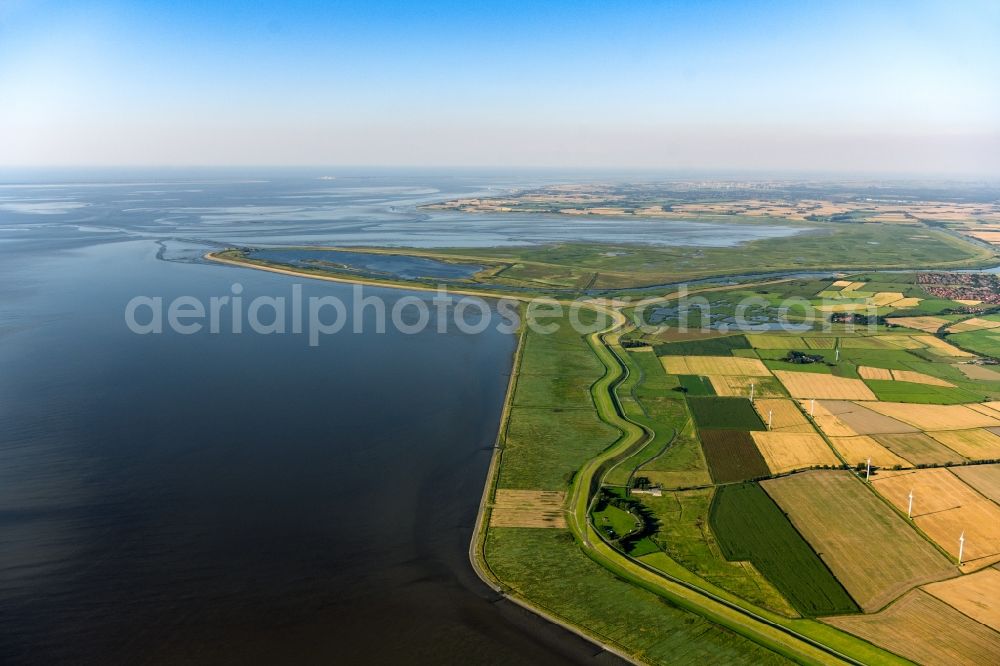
(812, 407)
(868, 470)
(751, 391)
(770, 416)
(961, 547)
(909, 509)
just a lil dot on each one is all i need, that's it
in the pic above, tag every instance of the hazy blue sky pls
(866, 86)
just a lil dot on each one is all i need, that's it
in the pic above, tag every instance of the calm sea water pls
(224, 498)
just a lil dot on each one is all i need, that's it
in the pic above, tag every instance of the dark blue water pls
(387, 265)
(232, 498)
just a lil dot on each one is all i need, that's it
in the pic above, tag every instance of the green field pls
(892, 391)
(654, 377)
(732, 456)
(647, 398)
(750, 526)
(695, 385)
(722, 346)
(615, 522)
(685, 536)
(985, 342)
(554, 427)
(681, 465)
(548, 567)
(773, 364)
(718, 413)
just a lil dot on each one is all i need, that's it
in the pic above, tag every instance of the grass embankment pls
(547, 568)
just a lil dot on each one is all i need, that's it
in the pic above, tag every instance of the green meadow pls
(750, 526)
(547, 567)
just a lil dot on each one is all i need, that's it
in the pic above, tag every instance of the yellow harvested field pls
(820, 343)
(678, 479)
(926, 324)
(925, 630)
(903, 341)
(714, 365)
(939, 346)
(983, 478)
(919, 378)
(853, 286)
(965, 301)
(863, 421)
(886, 298)
(737, 386)
(919, 448)
(787, 451)
(815, 385)
(975, 444)
(867, 372)
(785, 415)
(976, 595)
(979, 372)
(911, 302)
(973, 324)
(862, 447)
(944, 507)
(846, 307)
(775, 341)
(988, 236)
(827, 421)
(841, 283)
(865, 342)
(983, 409)
(849, 527)
(528, 508)
(892, 217)
(934, 417)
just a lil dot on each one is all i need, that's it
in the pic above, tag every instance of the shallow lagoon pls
(385, 265)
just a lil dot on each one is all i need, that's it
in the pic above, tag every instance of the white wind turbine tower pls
(751, 391)
(909, 509)
(868, 470)
(812, 407)
(770, 417)
(961, 547)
